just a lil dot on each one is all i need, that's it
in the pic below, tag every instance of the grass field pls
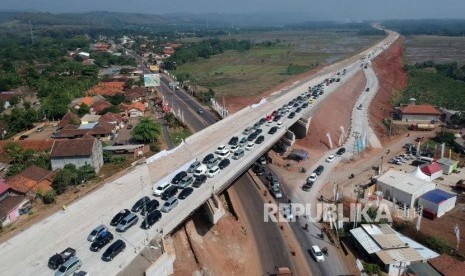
(262, 67)
(440, 49)
(429, 87)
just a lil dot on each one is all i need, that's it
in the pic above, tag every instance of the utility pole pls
(356, 136)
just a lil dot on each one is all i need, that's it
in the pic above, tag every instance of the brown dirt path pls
(392, 78)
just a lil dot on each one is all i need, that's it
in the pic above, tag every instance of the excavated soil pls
(392, 79)
(333, 112)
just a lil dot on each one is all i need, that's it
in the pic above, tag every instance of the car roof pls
(69, 261)
(316, 248)
(101, 226)
(171, 199)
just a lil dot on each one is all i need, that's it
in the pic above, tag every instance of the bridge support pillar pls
(163, 266)
(214, 209)
(301, 127)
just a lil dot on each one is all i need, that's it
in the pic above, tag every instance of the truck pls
(58, 259)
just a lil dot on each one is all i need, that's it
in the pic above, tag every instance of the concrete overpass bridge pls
(70, 228)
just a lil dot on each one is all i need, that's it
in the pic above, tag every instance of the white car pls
(330, 158)
(250, 146)
(213, 171)
(233, 148)
(312, 177)
(224, 154)
(220, 149)
(279, 124)
(286, 211)
(317, 254)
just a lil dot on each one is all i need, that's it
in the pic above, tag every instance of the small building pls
(448, 165)
(433, 170)
(424, 112)
(136, 109)
(390, 249)
(89, 119)
(31, 181)
(10, 208)
(437, 202)
(84, 55)
(69, 118)
(80, 152)
(404, 187)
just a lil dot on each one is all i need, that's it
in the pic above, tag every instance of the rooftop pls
(446, 265)
(431, 169)
(404, 182)
(9, 204)
(447, 161)
(437, 196)
(73, 147)
(423, 109)
(28, 179)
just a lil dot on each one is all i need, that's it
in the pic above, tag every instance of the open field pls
(266, 65)
(440, 49)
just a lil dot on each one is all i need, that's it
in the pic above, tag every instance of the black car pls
(185, 193)
(171, 191)
(224, 163)
(60, 258)
(262, 121)
(151, 219)
(178, 177)
(296, 105)
(319, 170)
(276, 118)
(298, 109)
(306, 187)
(199, 180)
(341, 151)
(258, 170)
(207, 158)
(260, 139)
(272, 130)
(149, 207)
(102, 240)
(252, 137)
(256, 125)
(291, 115)
(114, 249)
(233, 141)
(118, 217)
(258, 131)
(305, 105)
(138, 205)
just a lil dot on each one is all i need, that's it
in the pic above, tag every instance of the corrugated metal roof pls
(388, 241)
(392, 256)
(447, 161)
(365, 240)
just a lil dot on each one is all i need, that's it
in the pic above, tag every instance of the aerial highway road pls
(70, 228)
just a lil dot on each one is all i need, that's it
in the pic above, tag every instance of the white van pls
(158, 189)
(202, 169)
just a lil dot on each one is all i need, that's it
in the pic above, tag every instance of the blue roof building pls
(437, 201)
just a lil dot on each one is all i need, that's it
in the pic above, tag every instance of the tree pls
(14, 100)
(2, 105)
(146, 130)
(83, 109)
(61, 181)
(112, 109)
(49, 197)
(116, 99)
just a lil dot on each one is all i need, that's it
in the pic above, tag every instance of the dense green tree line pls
(451, 70)
(446, 27)
(190, 52)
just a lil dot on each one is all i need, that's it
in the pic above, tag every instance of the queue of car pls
(195, 176)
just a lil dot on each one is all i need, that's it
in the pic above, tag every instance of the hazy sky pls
(318, 9)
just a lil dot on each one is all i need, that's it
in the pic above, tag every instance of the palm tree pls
(146, 130)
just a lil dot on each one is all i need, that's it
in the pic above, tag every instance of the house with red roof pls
(433, 170)
(31, 181)
(446, 265)
(136, 109)
(80, 152)
(107, 88)
(69, 118)
(135, 94)
(421, 112)
(98, 106)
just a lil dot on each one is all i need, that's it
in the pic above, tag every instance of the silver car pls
(96, 232)
(69, 267)
(127, 222)
(169, 204)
